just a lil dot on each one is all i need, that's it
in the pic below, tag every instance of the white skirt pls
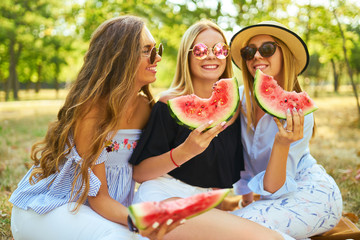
(61, 224)
(165, 187)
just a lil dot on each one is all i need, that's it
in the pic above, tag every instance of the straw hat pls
(296, 45)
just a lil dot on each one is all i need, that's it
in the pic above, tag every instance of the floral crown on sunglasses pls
(201, 50)
(267, 49)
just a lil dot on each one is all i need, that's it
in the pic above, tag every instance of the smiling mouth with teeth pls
(210, 66)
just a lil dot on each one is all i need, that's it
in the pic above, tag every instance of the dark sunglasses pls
(267, 49)
(201, 51)
(152, 53)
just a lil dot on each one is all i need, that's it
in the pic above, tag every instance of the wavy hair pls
(182, 83)
(108, 73)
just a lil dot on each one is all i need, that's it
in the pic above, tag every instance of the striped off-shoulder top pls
(55, 190)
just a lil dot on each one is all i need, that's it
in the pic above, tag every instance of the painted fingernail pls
(169, 221)
(223, 123)
(182, 221)
(294, 109)
(155, 225)
(288, 111)
(300, 111)
(211, 121)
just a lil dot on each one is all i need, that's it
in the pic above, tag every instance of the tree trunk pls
(348, 64)
(13, 79)
(7, 89)
(56, 78)
(336, 77)
(38, 82)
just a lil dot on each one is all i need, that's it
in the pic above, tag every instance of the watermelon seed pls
(202, 106)
(285, 100)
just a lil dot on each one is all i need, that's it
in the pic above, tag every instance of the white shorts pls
(61, 224)
(165, 187)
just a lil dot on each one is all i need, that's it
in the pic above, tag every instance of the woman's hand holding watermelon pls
(199, 139)
(157, 231)
(294, 129)
(275, 174)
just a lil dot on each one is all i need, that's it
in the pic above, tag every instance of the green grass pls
(336, 145)
(43, 94)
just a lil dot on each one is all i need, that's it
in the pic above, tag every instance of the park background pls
(42, 44)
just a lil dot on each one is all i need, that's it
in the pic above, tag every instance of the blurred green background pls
(42, 42)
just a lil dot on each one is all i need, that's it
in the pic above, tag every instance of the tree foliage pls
(43, 41)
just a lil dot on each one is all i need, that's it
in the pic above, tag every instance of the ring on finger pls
(288, 130)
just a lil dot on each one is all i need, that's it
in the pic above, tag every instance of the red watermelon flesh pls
(274, 100)
(145, 214)
(193, 111)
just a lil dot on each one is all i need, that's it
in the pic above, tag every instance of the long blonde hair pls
(182, 83)
(108, 72)
(290, 83)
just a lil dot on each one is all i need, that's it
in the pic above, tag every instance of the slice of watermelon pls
(145, 214)
(275, 100)
(192, 111)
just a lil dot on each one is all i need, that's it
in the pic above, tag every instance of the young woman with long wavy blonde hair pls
(173, 162)
(81, 182)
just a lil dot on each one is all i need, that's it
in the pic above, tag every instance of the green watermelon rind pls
(262, 104)
(219, 200)
(133, 209)
(226, 118)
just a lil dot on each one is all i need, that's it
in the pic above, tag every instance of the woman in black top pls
(208, 159)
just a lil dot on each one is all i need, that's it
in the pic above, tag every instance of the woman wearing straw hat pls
(298, 197)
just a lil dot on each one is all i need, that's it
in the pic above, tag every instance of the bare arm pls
(275, 174)
(103, 204)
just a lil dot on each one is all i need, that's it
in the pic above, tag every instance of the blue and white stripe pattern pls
(55, 190)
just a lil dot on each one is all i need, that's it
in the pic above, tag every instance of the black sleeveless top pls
(218, 166)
